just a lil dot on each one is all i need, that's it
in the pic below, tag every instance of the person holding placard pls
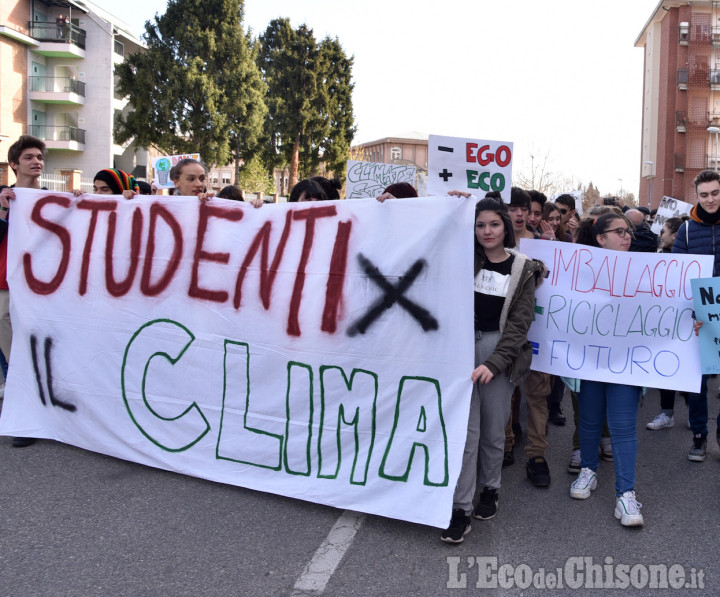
(700, 235)
(504, 304)
(618, 402)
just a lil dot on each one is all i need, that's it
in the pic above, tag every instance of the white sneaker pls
(662, 421)
(627, 510)
(583, 485)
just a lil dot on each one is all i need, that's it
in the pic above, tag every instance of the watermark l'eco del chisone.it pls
(578, 572)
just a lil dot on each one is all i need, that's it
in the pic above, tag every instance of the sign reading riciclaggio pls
(616, 316)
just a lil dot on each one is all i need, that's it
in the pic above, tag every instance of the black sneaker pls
(459, 527)
(23, 442)
(698, 448)
(538, 471)
(556, 416)
(508, 459)
(488, 505)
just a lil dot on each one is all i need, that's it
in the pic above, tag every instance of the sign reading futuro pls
(469, 165)
(617, 316)
(303, 349)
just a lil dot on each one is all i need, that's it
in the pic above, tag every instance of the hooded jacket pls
(698, 238)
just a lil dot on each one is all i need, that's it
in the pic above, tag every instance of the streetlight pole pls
(651, 176)
(716, 130)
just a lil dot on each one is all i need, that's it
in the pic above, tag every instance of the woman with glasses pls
(598, 399)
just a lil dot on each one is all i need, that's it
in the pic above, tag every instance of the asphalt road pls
(74, 523)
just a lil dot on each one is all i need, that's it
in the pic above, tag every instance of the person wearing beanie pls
(700, 235)
(115, 182)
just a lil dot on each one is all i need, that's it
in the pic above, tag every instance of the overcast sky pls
(560, 77)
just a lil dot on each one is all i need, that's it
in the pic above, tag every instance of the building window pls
(684, 33)
(396, 153)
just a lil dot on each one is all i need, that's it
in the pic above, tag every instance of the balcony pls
(57, 90)
(716, 36)
(682, 79)
(679, 162)
(63, 41)
(715, 80)
(711, 162)
(681, 122)
(60, 137)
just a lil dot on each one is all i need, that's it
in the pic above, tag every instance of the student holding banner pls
(504, 304)
(115, 182)
(27, 159)
(618, 402)
(189, 177)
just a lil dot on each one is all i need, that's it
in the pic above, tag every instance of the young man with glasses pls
(700, 235)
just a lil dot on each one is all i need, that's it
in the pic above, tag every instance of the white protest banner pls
(472, 165)
(321, 351)
(669, 208)
(616, 316)
(369, 179)
(162, 165)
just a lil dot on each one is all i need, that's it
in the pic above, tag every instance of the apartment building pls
(681, 98)
(57, 63)
(410, 149)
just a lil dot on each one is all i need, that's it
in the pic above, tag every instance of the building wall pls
(675, 119)
(13, 81)
(96, 69)
(413, 151)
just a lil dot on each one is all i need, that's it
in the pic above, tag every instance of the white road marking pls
(328, 556)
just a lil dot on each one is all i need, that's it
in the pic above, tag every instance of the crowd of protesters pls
(605, 414)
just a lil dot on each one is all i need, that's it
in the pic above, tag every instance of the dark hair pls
(493, 195)
(144, 187)
(538, 197)
(311, 189)
(493, 205)
(231, 192)
(24, 142)
(331, 186)
(176, 170)
(401, 190)
(567, 200)
(548, 208)
(589, 228)
(706, 176)
(519, 198)
(673, 224)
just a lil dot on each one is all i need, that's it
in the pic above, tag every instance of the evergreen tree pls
(197, 87)
(310, 117)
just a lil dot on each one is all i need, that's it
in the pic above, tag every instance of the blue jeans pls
(698, 409)
(619, 403)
